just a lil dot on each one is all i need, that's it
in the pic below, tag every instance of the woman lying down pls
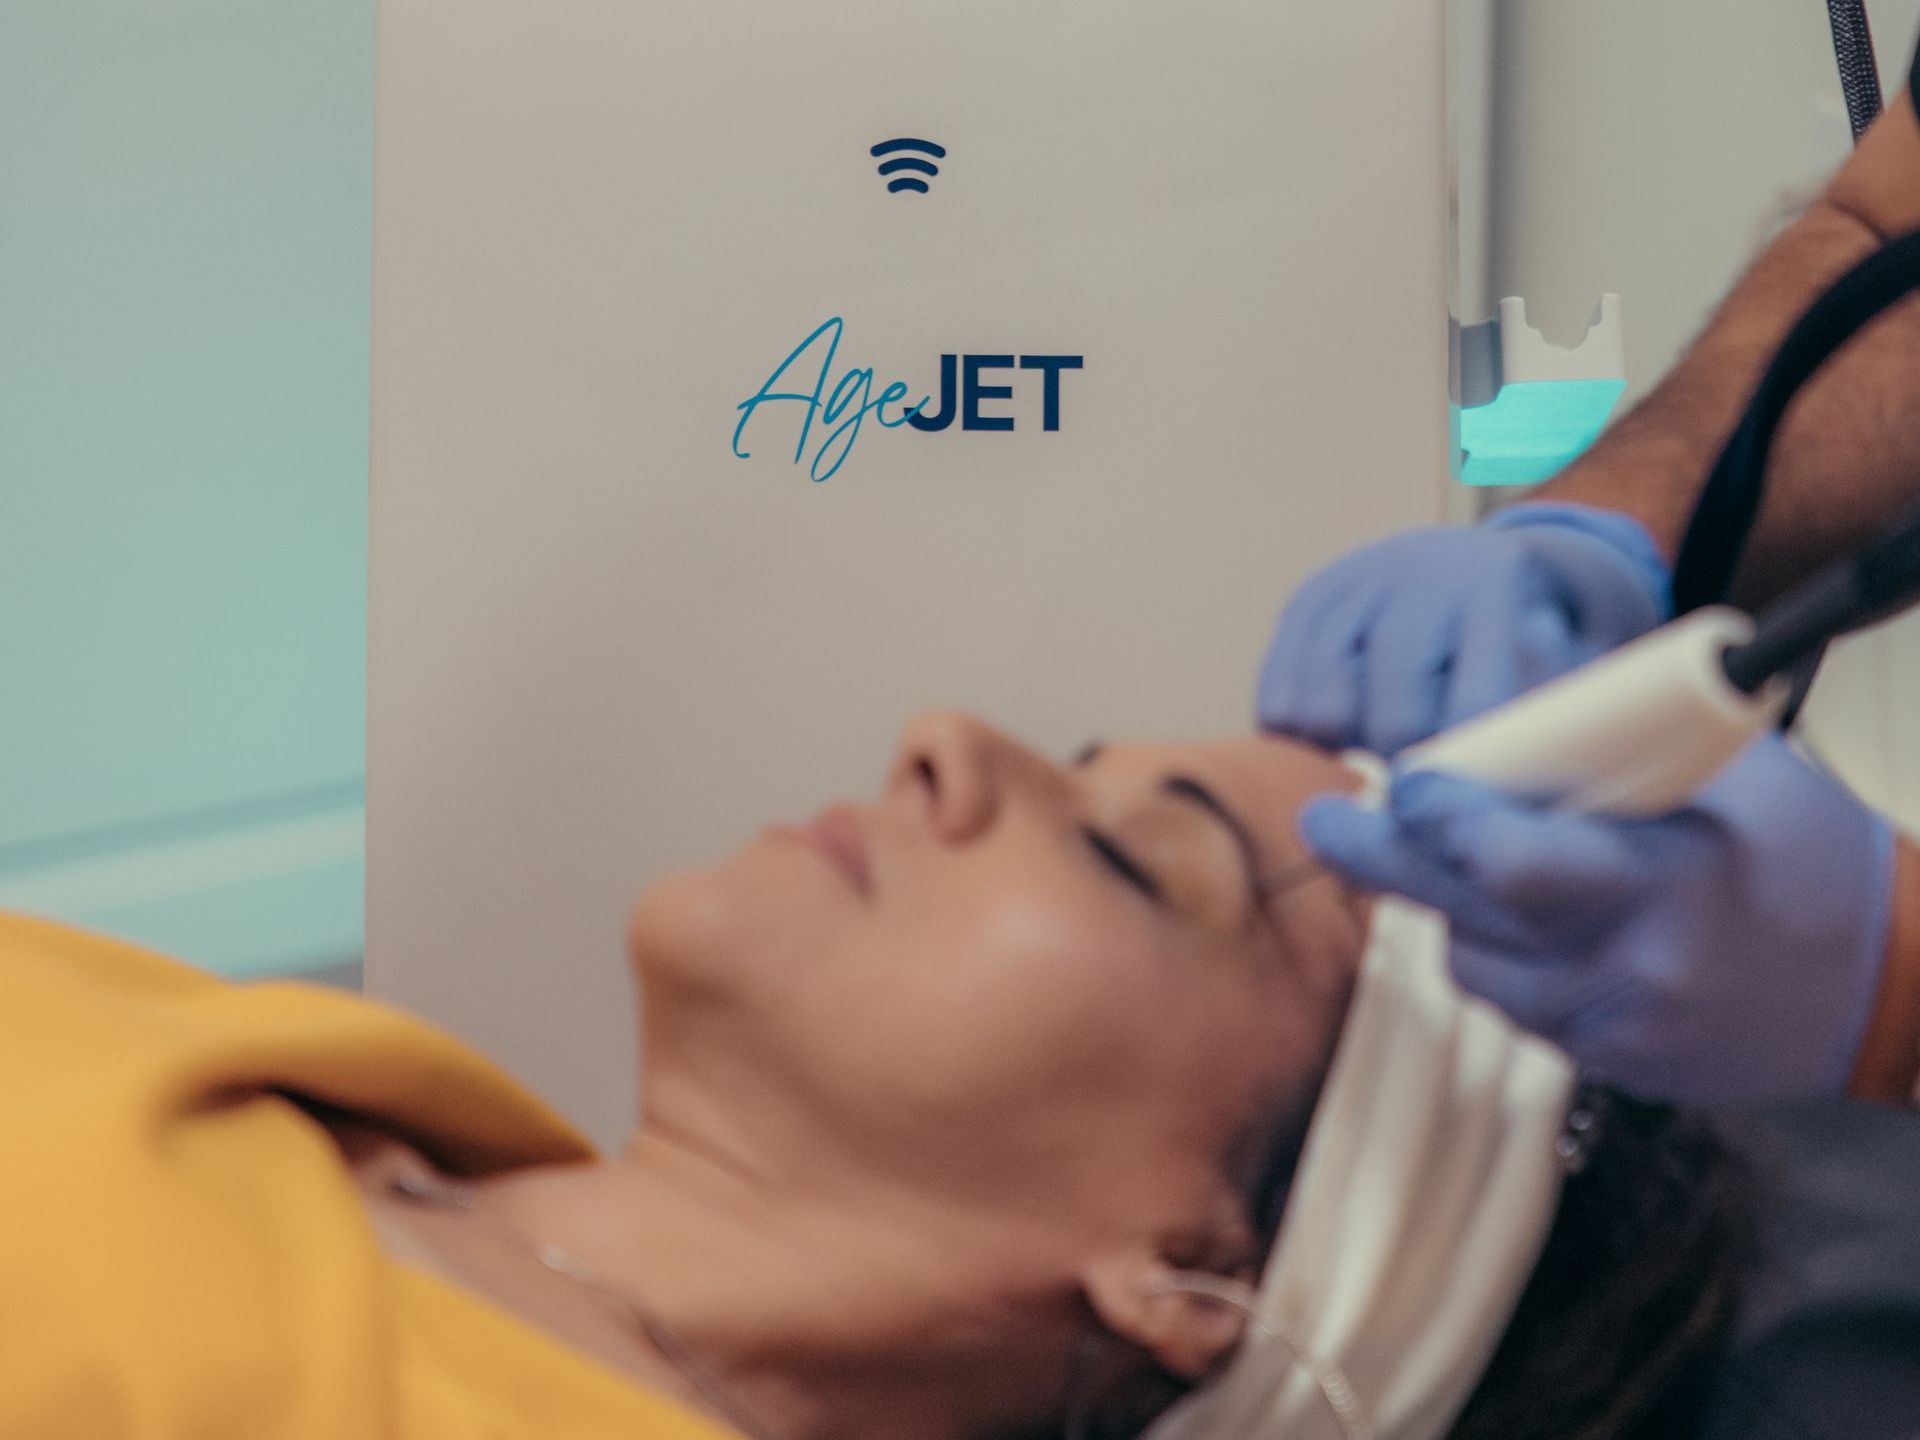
(1029, 1100)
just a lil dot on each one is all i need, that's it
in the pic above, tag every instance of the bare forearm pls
(1889, 1064)
(1847, 458)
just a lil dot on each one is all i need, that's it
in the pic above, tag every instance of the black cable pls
(1729, 504)
(1859, 75)
(1882, 580)
(1850, 594)
(1724, 516)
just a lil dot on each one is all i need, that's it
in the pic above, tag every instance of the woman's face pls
(1012, 981)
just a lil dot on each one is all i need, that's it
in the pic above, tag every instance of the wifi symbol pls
(908, 162)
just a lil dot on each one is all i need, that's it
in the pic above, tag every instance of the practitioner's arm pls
(1847, 458)
(1422, 630)
(1889, 1065)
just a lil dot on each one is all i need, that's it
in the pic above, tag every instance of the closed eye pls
(1124, 865)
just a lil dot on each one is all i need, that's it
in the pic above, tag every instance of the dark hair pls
(1619, 1331)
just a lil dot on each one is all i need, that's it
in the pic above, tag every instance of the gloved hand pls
(1729, 953)
(1422, 630)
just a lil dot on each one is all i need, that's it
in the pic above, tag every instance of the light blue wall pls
(185, 213)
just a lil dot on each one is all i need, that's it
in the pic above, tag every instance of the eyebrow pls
(1186, 787)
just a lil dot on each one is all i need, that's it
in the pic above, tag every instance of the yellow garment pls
(183, 1251)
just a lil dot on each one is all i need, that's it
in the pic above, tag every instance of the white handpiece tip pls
(1637, 732)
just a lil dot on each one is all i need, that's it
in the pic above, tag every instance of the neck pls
(824, 1315)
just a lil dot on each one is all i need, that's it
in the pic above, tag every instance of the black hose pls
(1729, 503)
(1881, 580)
(1848, 595)
(1724, 515)
(1859, 75)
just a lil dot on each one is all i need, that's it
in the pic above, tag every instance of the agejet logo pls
(832, 411)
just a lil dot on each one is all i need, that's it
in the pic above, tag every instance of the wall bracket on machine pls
(1525, 408)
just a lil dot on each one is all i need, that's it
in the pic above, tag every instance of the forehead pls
(1264, 779)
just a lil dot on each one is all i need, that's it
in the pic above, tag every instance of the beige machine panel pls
(1191, 258)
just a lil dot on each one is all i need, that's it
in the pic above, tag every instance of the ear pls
(1135, 1295)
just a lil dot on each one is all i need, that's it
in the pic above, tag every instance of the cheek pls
(1038, 990)
(1031, 962)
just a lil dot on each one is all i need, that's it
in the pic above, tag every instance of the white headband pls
(1425, 1192)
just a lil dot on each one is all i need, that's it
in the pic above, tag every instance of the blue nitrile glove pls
(1729, 953)
(1417, 632)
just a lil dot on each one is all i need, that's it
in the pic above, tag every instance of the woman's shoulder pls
(37, 953)
(74, 1004)
(183, 1242)
(69, 998)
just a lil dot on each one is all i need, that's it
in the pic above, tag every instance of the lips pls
(839, 835)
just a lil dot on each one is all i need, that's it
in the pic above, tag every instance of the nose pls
(953, 765)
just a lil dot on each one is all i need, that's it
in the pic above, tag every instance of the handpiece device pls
(1635, 732)
(1638, 731)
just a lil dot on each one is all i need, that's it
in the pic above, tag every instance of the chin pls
(678, 930)
(728, 930)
